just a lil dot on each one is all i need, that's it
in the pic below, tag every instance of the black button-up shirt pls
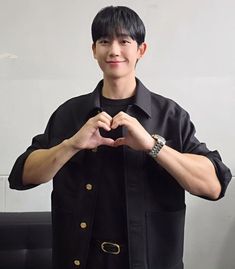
(155, 202)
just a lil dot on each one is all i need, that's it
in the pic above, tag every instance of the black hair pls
(116, 21)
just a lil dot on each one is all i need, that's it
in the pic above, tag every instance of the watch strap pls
(160, 142)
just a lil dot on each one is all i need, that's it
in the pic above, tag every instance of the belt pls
(110, 247)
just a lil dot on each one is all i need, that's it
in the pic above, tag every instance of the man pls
(121, 159)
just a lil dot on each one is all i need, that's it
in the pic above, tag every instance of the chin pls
(114, 75)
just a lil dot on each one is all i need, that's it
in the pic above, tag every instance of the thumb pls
(120, 142)
(107, 141)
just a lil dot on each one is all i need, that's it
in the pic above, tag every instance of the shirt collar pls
(142, 98)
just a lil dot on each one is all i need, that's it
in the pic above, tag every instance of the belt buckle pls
(115, 248)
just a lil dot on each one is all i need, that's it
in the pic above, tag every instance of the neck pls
(119, 88)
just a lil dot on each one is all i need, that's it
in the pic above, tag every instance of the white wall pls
(190, 59)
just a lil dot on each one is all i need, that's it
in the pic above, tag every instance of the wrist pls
(68, 143)
(151, 144)
(159, 143)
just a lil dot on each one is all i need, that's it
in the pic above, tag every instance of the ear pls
(142, 49)
(94, 50)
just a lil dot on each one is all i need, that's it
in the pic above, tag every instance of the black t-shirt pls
(110, 218)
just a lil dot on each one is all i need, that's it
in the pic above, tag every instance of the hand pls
(88, 137)
(137, 137)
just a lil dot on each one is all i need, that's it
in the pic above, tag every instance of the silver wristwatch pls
(160, 142)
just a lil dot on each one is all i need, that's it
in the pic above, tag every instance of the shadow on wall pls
(227, 255)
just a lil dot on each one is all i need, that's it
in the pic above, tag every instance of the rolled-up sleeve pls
(41, 141)
(222, 171)
(16, 176)
(58, 128)
(192, 145)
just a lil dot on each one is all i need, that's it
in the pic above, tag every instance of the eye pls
(103, 41)
(125, 41)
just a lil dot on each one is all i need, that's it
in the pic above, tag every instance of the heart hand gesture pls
(88, 137)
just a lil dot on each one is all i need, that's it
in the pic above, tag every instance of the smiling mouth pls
(114, 62)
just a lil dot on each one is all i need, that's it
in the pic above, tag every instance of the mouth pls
(114, 62)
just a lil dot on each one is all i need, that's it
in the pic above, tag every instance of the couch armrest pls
(26, 240)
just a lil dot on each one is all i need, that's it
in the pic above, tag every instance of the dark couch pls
(25, 240)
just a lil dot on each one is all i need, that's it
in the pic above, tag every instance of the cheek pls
(133, 54)
(101, 65)
(134, 59)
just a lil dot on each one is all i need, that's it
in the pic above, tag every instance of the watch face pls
(155, 136)
(159, 138)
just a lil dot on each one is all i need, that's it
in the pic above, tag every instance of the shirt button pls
(83, 225)
(76, 262)
(89, 187)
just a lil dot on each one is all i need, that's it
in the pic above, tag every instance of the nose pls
(114, 49)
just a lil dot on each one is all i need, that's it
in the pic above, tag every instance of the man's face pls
(117, 57)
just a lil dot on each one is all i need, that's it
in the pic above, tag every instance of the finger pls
(120, 142)
(119, 120)
(107, 141)
(101, 124)
(121, 114)
(104, 117)
(105, 114)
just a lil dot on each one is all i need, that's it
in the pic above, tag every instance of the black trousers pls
(98, 259)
